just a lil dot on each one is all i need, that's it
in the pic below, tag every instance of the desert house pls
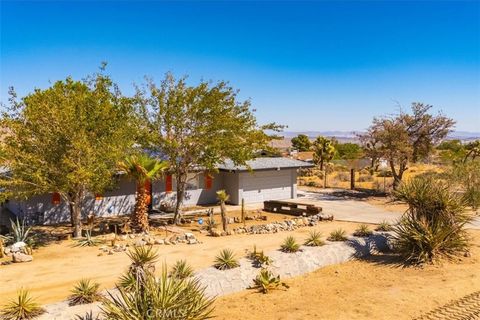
(262, 179)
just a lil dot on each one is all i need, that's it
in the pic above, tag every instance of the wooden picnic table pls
(291, 207)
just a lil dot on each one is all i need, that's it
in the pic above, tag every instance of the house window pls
(168, 184)
(208, 181)
(56, 198)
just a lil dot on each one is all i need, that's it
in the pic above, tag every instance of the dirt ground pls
(377, 288)
(58, 266)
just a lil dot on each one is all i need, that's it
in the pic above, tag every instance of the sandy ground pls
(57, 267)
(377, 288)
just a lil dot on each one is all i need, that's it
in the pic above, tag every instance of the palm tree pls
(223, 197)
(142, 169)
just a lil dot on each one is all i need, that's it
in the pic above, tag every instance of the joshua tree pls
(223, 197)
(324, 150)
(143, 170)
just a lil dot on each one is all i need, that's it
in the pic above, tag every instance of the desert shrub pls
(267, 281)
(84, 292)
(337, 235)
(88, 240)
(467, 178)
(343, 176)
(386, 173)
(365, 178)
(310, 183)
(226, 260)
(384, 226)
(314, 239)
(162, 298)
(181, 269)
(363, 231)
(23, 307)
(290, 245)
(433, 226)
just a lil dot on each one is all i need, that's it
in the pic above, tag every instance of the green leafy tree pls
(348, 151)
(68, 139)
(451, 151)
(301, 143)
(324, 150)
(143, 169)
(199, 126)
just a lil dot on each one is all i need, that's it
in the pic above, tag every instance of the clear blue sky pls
(309, 65)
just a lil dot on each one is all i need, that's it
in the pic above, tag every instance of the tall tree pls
(472, 150)
(301, 143)
(68, 139)
(324, 151)
(143, 169)
(199, 127)
(425, 130)
(406, 137)
(347, 151)
(371, 146)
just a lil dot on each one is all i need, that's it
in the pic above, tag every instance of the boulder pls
(21, 257)
(18, 246)
(159, 241)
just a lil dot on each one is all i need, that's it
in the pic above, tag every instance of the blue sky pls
(309, 65)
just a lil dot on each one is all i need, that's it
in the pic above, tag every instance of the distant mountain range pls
(345, 136)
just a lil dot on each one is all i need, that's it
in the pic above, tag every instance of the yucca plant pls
(290, 245)
(87, 316)
(20, 230)
(362, 231)
(267, 281)
(337, 235)
(88, 240)
(22, 308)
(226, 260)
(181, 270)
(84, 292)
(143, 260)
(314, 239)
(384, 226)
(433, 227)
(127, 281)
(162, 298)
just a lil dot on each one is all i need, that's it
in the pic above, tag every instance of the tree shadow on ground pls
(375, 250)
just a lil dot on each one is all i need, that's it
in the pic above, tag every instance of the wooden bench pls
(289, 207)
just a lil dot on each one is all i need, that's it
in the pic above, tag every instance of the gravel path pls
(287, 265)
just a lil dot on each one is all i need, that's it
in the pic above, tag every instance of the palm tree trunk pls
(140, 214)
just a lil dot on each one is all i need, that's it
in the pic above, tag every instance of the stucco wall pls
(231, 186)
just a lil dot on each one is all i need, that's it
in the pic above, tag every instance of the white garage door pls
(259, 186)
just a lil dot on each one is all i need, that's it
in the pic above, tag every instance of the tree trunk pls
(140, 214)
(181, 180)
(321, 164)
(223, 212)
(397, 176)
(74, 200)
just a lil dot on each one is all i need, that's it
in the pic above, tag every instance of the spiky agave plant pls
(337, 235)
(362, 231)
(384, 226)
(290, 245)
(267, 281)
(314, 239)
(23, 307)
(20, 230)
(181, 270)
(162, 298)
(259, 258)
(226, 260)
(88, 240)
(433, 227)
(84, 292)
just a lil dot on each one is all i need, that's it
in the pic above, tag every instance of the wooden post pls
(352, 179)
(243, 212)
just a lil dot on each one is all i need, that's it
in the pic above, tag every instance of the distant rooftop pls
(265, 164)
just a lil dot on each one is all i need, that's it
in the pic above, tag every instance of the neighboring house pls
(263, 179)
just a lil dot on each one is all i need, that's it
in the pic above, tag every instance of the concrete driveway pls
(347, 209)
(356, 210)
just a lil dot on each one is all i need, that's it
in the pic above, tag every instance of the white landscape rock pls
(18, 246)
(19, 257)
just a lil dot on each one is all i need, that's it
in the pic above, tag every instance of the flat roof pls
(265, 163)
